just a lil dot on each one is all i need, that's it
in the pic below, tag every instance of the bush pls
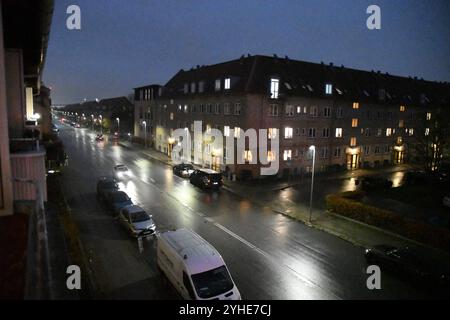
(348, 204)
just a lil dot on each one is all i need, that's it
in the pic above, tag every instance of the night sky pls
(125, 44)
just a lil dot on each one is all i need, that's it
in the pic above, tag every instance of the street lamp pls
(92, 117)
(118, 126)
(313, 150)
(145, 133)
(101, 124)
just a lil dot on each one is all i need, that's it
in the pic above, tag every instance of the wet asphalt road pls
(269, 255)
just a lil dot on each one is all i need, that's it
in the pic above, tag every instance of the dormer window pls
(227, 84)
(201, 86)
(193, 87)
(186, 88)
(274, 88)
(328, 88)
(217, 85)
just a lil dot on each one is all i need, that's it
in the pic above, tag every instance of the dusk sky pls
(125, 44)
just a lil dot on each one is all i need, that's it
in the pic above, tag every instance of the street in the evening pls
(270, 256)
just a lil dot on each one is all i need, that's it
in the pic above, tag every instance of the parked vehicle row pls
(202, 178)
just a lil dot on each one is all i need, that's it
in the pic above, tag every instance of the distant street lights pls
(145, 133)
(313, 150)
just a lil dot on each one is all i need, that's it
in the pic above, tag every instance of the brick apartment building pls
(354, 118)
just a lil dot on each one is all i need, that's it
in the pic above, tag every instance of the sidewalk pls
(350, 230)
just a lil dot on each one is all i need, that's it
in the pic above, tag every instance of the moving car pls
(372, 183)
(138, 222)
(410, 263)
(121, 171)
(206, 179)
(183, 170)
(105, 185)
(116, 200)
(194, 267)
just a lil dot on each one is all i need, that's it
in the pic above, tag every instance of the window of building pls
(237, 132)
(248, 157)
(305, 110)
(401, 123)
(217, 108)
(208, 128)
(354, 122)
(288, 133)
(209, 108)
(338, 133)
(202, 108)
(201, 86)
(366, 150)
(377, 149)
(186, 88)
(327, 112)
(270, 156)
(339, 113)
(312, 132)
(289, 110)
(389, 115)
(274, 88)
(379, 132)
(299, 110)
(237, 108)
(313, 111)
(180, 108)
(428, 115)
(287, 155)
(324, 152)
(226, 131)
(353, 142)
(217, 85)
(402, 108)
(387, 149)
(227, 84)
(297, 131)
(328, 88)
(193, 87)
(272, 133)
(427, 131)
(388, 132)
(367, 132)
(337, 152)
(171, 116)
(226, 108)
(186, 108)
(274, 110)
(355, 105)
(325, 132)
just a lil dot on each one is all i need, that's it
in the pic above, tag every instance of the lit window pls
(193, 87)
(353, 142)
(388, 132)
(401, 123)
(402, 108)
(272, 134)
(248, 155)
(274, 87)
(338, 133)
(171, 116)
(274, 110)
(428, 115)
(287, 155)
(427, 131)
(411, 132)
(217, 86)
(355, 105)
(299, 109)
(270, 156)
(227, 84)
(288, 133)
(289, 111)
(226, 131)
(354, 122)
(328, 88)
(237, 132)
(208, 128)
(237, 108)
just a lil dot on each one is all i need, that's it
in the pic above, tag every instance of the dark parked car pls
(206, 179)
(116, 200)
(183, 170)
(410, 264)
(138, 222)
(105, 185)
(372, 183)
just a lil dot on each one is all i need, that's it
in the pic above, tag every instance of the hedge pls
(348, 204)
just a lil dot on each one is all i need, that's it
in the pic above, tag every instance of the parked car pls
(105, 185)
(183, 170)
(138, 222)
(99, 137)
(410, 264)
(194, 267)
(116, 200)
(121, 172)
(206, 179)
(372, 183)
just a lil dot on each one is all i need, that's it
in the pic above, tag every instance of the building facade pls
(353, 118)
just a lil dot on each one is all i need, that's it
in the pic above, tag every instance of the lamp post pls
(145, 133)
(118, 126)
(313, 150)
(101, 124)
(92, 118)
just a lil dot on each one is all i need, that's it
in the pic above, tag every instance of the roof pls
(198, 255)
(252, 74)
(117, 102)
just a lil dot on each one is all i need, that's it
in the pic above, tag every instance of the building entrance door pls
(352, 161)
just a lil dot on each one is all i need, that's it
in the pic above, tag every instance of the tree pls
(433, 138)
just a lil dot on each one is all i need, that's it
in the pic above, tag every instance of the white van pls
(194, 267)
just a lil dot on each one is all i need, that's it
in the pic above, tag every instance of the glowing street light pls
(118, 126)
(145, 133)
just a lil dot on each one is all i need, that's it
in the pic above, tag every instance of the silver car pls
(138, 222)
